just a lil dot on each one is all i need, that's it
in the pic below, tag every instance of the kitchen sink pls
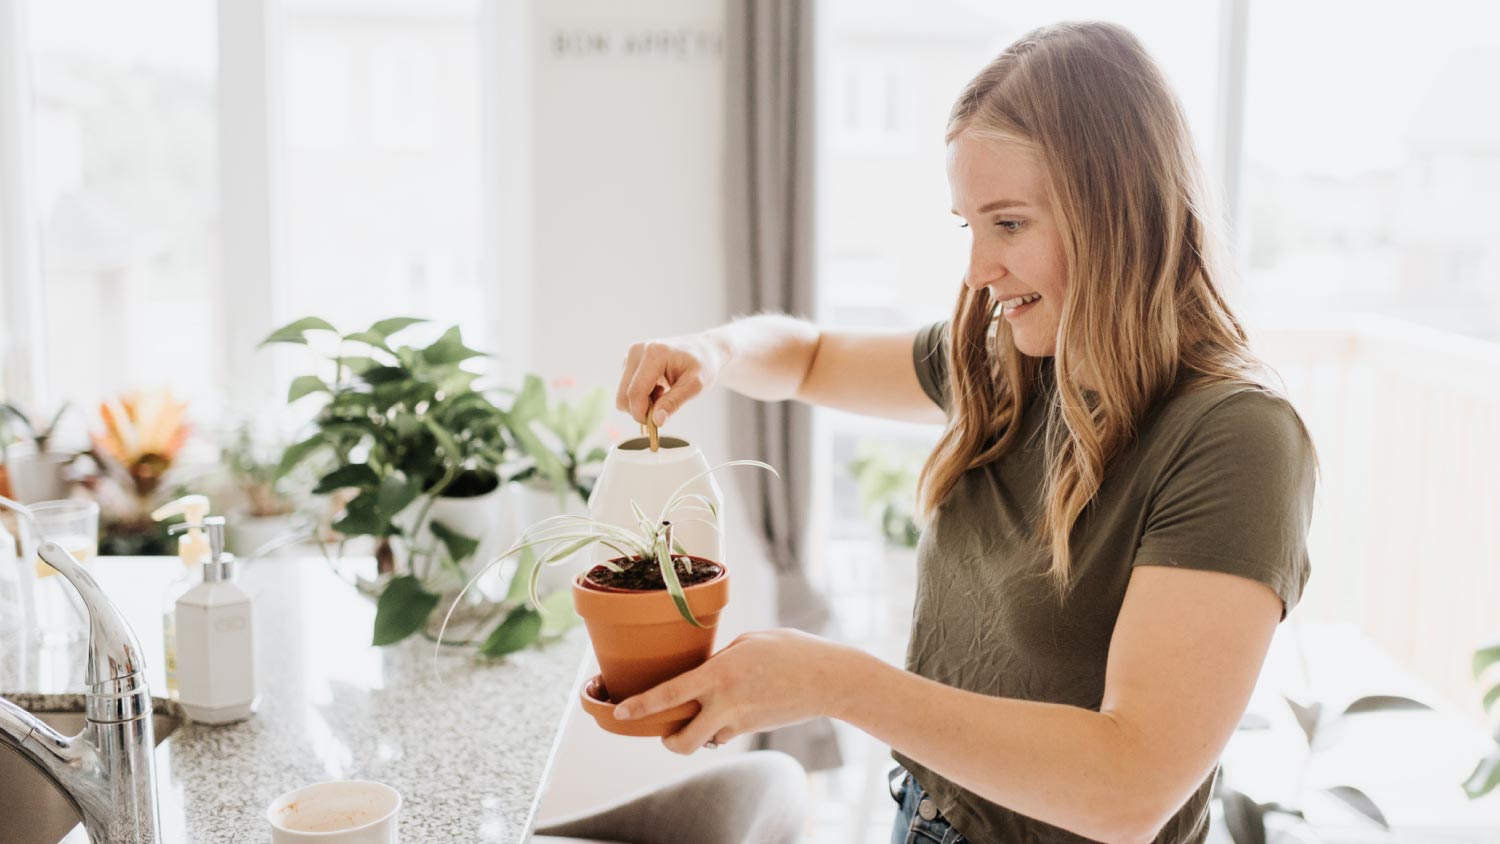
(32, 811)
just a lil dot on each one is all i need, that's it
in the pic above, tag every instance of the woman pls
(1117, 509)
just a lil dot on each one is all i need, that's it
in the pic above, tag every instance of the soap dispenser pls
(192, 547)
(215, 642)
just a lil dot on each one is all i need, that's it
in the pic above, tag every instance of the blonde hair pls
(1141, 309)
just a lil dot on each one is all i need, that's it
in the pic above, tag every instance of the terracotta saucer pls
(597, 703)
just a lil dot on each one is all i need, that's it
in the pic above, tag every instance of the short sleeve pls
(930, 355)
(1237, 496)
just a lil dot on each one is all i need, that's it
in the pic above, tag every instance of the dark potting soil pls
(645, 575)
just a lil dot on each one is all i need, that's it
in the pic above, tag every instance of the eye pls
(963, 225)
(1011, 226)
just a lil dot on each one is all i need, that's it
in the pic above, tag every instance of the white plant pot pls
(244, 533)
(488, 518)
(40, 476)
(634, 473)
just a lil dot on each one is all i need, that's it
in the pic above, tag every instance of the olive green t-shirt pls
(1218, 478)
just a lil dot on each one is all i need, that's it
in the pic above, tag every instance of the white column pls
(23, 346)
(249, 193)
(505, 167)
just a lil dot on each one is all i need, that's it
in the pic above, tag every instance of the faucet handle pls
(114, 652)
(211, 525)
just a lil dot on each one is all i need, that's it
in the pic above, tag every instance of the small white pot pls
(244, 533)
(488, 518)
(40, 477)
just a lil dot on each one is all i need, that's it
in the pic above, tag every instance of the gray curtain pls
(768, 155)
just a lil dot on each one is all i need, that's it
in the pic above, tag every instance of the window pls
(123, 133)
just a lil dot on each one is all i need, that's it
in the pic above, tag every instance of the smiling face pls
(1015, 248)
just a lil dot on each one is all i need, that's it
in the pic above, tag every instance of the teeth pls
(1011, 304)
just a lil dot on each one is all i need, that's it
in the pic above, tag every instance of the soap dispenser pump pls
(215, 640)
(192, 547)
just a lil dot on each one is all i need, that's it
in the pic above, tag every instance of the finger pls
(698, 732)
(632, 363)
(687, 385)
(651, 369)
(664, 696)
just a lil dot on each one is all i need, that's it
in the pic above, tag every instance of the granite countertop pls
(466, 741)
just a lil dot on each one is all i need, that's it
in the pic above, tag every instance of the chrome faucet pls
(108, 771)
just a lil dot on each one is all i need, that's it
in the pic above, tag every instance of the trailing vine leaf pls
(297, 452)
(1244, 818)
(387, 327)
(369, 338)
(1383, 703)
(295, 332)
(460, 547)
(1485, 657)
(401, 610)
(1360, 802)
(361, 518)
(558, 615)
(516, 591)
(449, 348)
(1307, 717)
(304, 385)
(521, 627)
(353, 475)
(395, 493)
(1486, 776)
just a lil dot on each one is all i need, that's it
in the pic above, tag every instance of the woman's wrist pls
(860, 678)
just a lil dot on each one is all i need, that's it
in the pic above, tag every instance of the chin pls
(1030, 346)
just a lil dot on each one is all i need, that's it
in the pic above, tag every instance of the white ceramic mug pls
(336, 812)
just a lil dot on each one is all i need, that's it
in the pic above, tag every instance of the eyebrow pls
(997, 205)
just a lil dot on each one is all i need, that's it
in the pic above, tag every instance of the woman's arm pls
(1187, 649)
(774, 358)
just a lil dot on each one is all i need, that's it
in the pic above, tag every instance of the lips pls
(1013, 302)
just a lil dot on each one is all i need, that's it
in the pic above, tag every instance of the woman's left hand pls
(760, 681)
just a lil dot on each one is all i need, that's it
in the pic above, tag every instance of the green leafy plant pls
(39, 434)
(887, 483)
(253, 465)
(1245, 819)
(560, 537)
(402, 425)
(568, 425)
(1486, 775)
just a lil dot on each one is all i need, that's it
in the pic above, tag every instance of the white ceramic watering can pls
(633, 472)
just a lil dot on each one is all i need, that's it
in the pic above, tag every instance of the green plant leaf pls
(531, 402)
(674, 587)
(1485, 657)
(353, 475)
(369, 338)
(1486, 776)
(359, 364)
(295, 332)
(449, 348)
(361, 519)
(304, 385)
(297, 452)
(1491, 695)
(595, 456)
(385, 375)
(459, 547)
(591, 412)
(396, 491)
(1360, 802)
(522, 627)
(401, 610)
(516, 591)
(558, 615)
(391, 325)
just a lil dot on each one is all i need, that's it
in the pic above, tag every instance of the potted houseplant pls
(137, 449)
(416, 456)
(37, 473)
(267, 499)
(651, 611)
(557, 466)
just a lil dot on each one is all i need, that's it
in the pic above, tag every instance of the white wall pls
(626, 120)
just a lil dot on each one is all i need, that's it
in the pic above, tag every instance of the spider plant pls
(566, 535)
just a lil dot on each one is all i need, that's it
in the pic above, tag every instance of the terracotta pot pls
(641, 639)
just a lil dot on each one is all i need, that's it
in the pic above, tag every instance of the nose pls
(985, 267)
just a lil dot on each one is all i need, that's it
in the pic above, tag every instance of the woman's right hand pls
(670, 372)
